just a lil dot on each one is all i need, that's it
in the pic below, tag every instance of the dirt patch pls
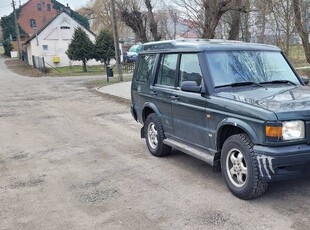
(98, 196)
(21, 68)
(116, 99)
(32, 182)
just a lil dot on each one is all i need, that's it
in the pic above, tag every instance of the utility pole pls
(116, 42)
(17, 31)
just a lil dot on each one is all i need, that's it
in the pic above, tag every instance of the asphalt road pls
(72, 158)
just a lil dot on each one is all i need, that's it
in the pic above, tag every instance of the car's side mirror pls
(305, 79)
(191, 86)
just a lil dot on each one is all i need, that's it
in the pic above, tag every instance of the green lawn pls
(78, 71)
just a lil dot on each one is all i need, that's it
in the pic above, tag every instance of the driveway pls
(71, 158)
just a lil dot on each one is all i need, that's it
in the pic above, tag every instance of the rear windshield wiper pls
(279, 82)
(243, 83)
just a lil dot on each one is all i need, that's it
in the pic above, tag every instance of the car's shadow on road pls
(288, 189)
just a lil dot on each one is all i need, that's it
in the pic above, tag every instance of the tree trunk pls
(246, 30)
(301, 30)
(136, 21)
(84, 66)
(152, 23)
(235, 26)
(261, 37)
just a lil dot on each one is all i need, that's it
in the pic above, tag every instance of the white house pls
(52, 41)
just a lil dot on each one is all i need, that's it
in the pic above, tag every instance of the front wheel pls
(240, 168)
(154, 135)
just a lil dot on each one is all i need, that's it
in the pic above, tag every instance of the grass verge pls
(103, 82)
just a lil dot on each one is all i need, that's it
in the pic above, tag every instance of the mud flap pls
(142, 132)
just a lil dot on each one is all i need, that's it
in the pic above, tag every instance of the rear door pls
(162, 90)
(189, 109)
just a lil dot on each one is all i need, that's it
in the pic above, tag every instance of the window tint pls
(39, 7)
(166, 74)
(190, 69)
(33, 23)
(145, 67)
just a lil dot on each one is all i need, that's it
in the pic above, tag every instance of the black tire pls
(240, 168)
(154, 140)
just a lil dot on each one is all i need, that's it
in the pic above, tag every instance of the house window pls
(45, 47)
(49, 8)
(33, 23)
(65, 27)
(39, 7)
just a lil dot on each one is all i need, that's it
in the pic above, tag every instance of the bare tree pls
(206, 14)
(245, 22)
(235, 22)
(284, 18)
(301, 29)
(99, 13)
(168, 20)
(152, 21)
(139, 20)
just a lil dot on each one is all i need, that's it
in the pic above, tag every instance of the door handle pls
(175, 98)
(153, 92)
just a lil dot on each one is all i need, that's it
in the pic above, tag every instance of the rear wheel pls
(154, 135)
(240, 168)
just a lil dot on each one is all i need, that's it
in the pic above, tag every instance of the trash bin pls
(109, 72)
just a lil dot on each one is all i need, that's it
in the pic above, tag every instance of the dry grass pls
(21, 68)
(1, 50)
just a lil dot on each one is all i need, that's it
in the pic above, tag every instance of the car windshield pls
(230, 67)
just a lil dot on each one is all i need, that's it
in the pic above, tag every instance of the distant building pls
(51, 42)
(33, 15)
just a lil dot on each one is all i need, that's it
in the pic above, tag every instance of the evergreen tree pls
(81, 47)
(104, 47)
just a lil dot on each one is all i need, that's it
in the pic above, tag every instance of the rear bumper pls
(282, 163)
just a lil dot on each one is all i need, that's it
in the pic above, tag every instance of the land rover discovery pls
(240, 107)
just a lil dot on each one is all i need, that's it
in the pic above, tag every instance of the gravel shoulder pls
(72, 158)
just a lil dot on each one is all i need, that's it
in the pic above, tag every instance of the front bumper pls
(282, 163)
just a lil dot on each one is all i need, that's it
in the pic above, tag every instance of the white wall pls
(57, 41)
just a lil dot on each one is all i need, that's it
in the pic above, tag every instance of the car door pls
(162, 90)
(189, 109)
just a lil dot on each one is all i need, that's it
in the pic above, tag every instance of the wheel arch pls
(231, 126)
(149, 108)
(227, 128)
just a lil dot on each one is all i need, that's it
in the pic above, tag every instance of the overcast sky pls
(6, 8)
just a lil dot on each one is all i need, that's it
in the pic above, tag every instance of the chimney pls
(68, 9)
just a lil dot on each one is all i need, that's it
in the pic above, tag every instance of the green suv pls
(240, 107)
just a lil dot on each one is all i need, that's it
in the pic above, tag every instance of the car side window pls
(190, 69)
(167, 70)
(145, 66)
